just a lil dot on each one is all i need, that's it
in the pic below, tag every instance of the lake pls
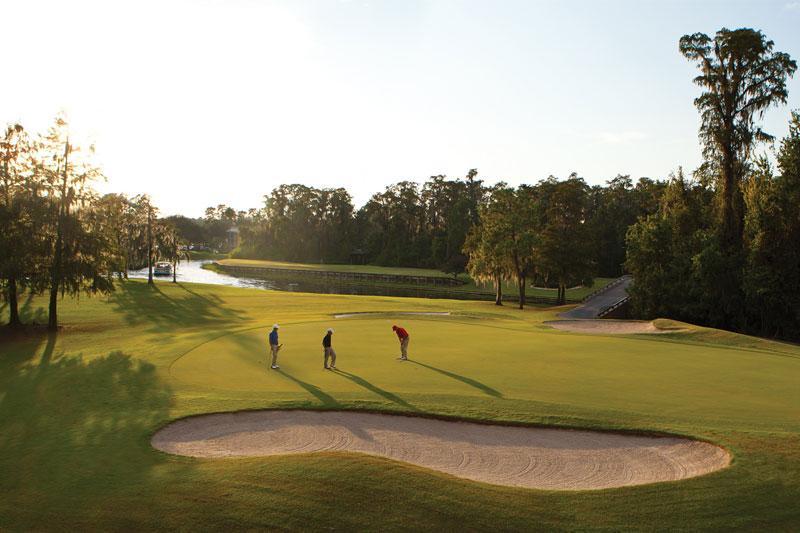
(192, 272)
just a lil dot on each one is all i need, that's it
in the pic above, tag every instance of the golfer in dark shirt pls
(274, 347)
(328, 351)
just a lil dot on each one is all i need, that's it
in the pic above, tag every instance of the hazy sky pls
(207, 102)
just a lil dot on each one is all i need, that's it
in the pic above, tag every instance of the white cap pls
(330, 330)
(275, 326)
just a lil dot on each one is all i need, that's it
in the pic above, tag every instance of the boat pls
(162, 268)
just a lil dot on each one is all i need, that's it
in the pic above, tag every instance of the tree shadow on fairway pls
(75, 432)
(326, 399)
(358, 380)
(27, 313)
(19, 346)
(30, 315)
(463, 379)
(212, 298)
(166, 310)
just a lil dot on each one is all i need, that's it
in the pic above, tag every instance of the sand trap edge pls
(719, 458)
(602, 326)
(389, 313)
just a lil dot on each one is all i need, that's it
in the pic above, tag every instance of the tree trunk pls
(55, 279)
(55, 271)
(13, 305)
(52, 312)
(521, 283)
(149, 245)
(731, 203)
(127, 262)
(498, 291)
(174, 271)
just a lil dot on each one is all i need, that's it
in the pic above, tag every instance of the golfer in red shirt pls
(402, 335)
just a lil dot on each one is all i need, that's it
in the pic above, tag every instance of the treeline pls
(556, 233)
(426, 225)
(405, 225)
(59, 236)
(685, 269)
(211, 231)
(723, 249)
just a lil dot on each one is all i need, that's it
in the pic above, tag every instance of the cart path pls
(592, 307)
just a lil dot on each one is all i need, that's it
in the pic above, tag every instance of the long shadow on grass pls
(463, 379)
(74, 431)
(168, 309)
(358, 380)
(30, 315)
(326, 399)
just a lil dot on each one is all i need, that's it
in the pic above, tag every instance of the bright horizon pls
(205, 102)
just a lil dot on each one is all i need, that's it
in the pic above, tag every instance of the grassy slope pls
(366, 269)
(196, 255)
(509, 287)
(77, 409)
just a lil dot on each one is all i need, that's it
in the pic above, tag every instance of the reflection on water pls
(192, 272)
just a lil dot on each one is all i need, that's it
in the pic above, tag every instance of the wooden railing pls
(604, 312)
(606, 287)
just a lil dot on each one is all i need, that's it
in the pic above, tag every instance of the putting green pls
(238, 360)
(499, 359)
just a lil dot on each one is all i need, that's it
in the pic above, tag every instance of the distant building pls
(358, 257)
(233, 238)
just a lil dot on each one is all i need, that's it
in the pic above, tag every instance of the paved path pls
(591, 308)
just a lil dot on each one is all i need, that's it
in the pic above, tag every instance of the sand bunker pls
(403, 313)
(606, 326)
(540, 458)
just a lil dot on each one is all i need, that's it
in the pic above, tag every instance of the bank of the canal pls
(384, 281)
(350, 279)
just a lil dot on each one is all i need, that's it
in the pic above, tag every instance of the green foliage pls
(427, 227)
(190, 230)
(684, 269)
(612, 210)
(401, 226)
(771, 279)
(741, 77)
(503, 246)
(738, 269)
(484, 248)
(20, 208)
(301, 223)
(661, 253)
(80, 257)
(563, 251)
(533, 232)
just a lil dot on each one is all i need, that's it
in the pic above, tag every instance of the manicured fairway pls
(77, 410)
